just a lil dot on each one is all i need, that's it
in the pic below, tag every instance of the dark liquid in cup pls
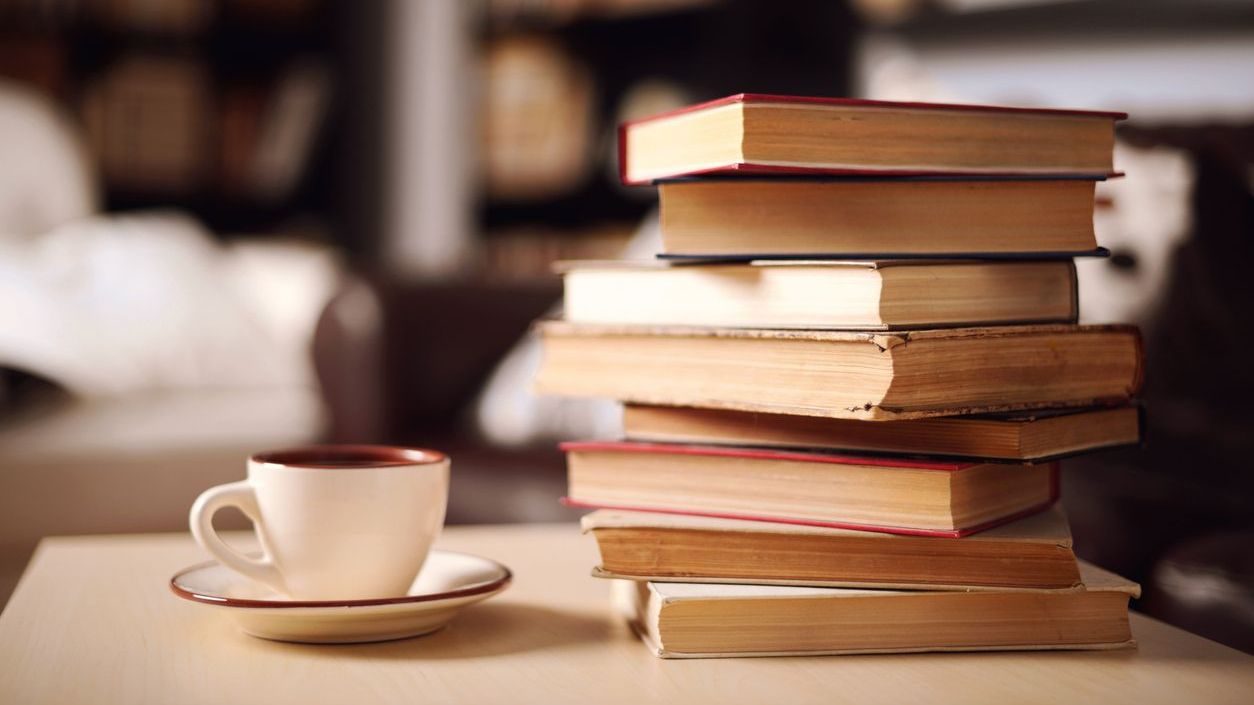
(350, 457)
(350, 463)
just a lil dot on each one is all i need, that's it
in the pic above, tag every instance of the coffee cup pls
(341, 522)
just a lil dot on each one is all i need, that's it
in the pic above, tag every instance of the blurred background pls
(229, 225)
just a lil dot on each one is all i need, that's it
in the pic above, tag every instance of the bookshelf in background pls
(554, 79)
(558, 77)
(219, 108)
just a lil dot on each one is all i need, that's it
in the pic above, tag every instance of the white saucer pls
(448, 582)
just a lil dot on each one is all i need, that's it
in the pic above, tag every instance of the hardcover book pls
(1031, 553)
(892, 495)
(755, 133)
(876, 217)
(840, 374)
(850, 295)
(1023, 436)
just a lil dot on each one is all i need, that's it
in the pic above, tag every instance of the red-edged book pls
(891, 495)
(762, 134)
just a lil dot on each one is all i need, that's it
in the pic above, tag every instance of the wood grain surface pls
(93, 622)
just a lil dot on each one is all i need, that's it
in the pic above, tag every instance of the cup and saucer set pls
(345, 534)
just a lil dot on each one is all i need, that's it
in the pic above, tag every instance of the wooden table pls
(93, 622)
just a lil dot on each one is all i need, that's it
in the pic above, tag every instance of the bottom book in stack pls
(704, 620)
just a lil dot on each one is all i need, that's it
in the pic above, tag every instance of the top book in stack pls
(870, 178)
(774, 134)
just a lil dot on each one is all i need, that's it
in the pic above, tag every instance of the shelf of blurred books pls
(557, 77)
(552, 96)
(217, 107)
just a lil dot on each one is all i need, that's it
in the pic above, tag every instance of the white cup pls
(335, 522)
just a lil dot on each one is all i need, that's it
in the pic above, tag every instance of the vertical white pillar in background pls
(428, 226)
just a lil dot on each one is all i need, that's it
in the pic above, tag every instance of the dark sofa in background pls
(403, 363)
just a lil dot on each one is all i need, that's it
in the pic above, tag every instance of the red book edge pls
(899, 530)
(762, 454)
(767, 98)
(622, 154)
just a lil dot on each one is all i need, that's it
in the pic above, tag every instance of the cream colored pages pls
(1049, 526)
(1095, 580)
(569, 265)
(658, 651)
(882, 340)
(600, 572)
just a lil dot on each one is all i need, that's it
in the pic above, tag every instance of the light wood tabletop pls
(94, 622)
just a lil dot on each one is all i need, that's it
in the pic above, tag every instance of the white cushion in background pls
(46, 178)
(114, 305)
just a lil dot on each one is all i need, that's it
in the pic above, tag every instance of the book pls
(288, 134)
(537, 118)
(892, 495)
(1033, 552)
(852, 295)
(701, 620)
(148, 121)
(1034, 436)
(843, 374)
(876, 217)
(758, 133)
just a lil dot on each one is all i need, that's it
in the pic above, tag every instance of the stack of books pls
(848, 380)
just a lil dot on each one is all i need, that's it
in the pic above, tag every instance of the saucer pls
(448, 582)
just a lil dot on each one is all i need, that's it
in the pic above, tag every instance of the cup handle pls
(241, 496)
